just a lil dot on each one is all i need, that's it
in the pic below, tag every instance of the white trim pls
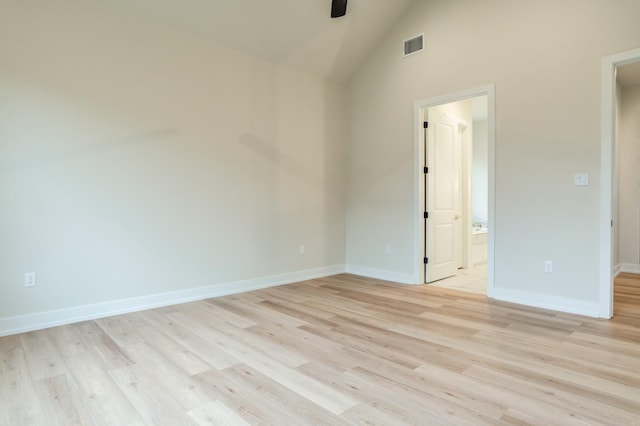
(418, 182)
(617, 270)
(543, 301)
(380, 274)
(609, 65)
(631, 268)
(467, 202)
(24, 323)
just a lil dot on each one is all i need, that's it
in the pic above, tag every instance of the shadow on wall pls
(272, 154)
(57, 155)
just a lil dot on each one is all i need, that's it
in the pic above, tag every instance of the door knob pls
(456, 217)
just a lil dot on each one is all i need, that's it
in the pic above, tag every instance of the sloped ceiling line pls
(297, 33)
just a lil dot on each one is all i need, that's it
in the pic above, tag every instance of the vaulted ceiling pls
(298, 33)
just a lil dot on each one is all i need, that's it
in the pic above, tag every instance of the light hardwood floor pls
(339, 350)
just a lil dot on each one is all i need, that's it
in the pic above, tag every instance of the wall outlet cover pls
(581, 179)
(30, 279)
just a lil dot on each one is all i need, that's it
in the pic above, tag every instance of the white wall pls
(544, 58)
(628, 170)
(480, 172)
(136, 161)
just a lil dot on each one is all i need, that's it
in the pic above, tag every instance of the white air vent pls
(414, 45)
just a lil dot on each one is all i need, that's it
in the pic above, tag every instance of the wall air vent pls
(414, 45)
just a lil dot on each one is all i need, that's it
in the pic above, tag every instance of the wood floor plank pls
(178, 355)
(241, 399)
(217, 414)
(334, 350)
(121, 328)
(102, 345)
(298, 408)
(481, 392)
(299, 341)
(605, 343)
(218, 314)
(447, 387)
(174, 383)
(311, 389)
(61, 404)
(301, 312)
(596, 411)
(443, 408)
(197, 345)
(270, 347)
(68, 341)
(148, 396)
(366, 414)
(18, 401)
(99, 392)
(375, 395)
(43, 357)
(257, 313)
(369, 336)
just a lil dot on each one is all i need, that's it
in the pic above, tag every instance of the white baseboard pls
(41, 320)
(580, 307)
(631, 268)
(380, 274)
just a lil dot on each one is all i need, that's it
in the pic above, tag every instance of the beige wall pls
(136, 161)
(544, 58)
(628, 170)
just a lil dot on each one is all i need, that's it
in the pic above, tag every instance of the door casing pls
(607, 169)
(420, 108)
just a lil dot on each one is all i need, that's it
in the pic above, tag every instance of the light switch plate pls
(581, 179)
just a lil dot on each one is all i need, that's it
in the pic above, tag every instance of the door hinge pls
(425, 125)
(426, 215)
(426, 260)
(425, 170)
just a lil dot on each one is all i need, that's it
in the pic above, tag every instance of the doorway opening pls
(617, 215)
(454, 156)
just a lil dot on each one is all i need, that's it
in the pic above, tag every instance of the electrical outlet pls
(581, 179)
(30, 279)
(301, 249)
(548, 266)
(387, 249)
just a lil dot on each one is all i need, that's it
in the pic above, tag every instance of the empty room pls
(319, 212)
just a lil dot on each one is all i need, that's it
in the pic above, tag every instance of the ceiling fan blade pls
(338, 8)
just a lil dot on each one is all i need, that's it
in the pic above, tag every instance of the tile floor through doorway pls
(473, 280)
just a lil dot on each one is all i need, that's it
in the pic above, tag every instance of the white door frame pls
(607, 169)
(467, 207)
(418, 177)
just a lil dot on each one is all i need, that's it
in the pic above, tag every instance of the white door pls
(444, 198)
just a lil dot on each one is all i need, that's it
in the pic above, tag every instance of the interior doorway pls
(627, 170)
(609, 205)
(627, 190)
(455, 151)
